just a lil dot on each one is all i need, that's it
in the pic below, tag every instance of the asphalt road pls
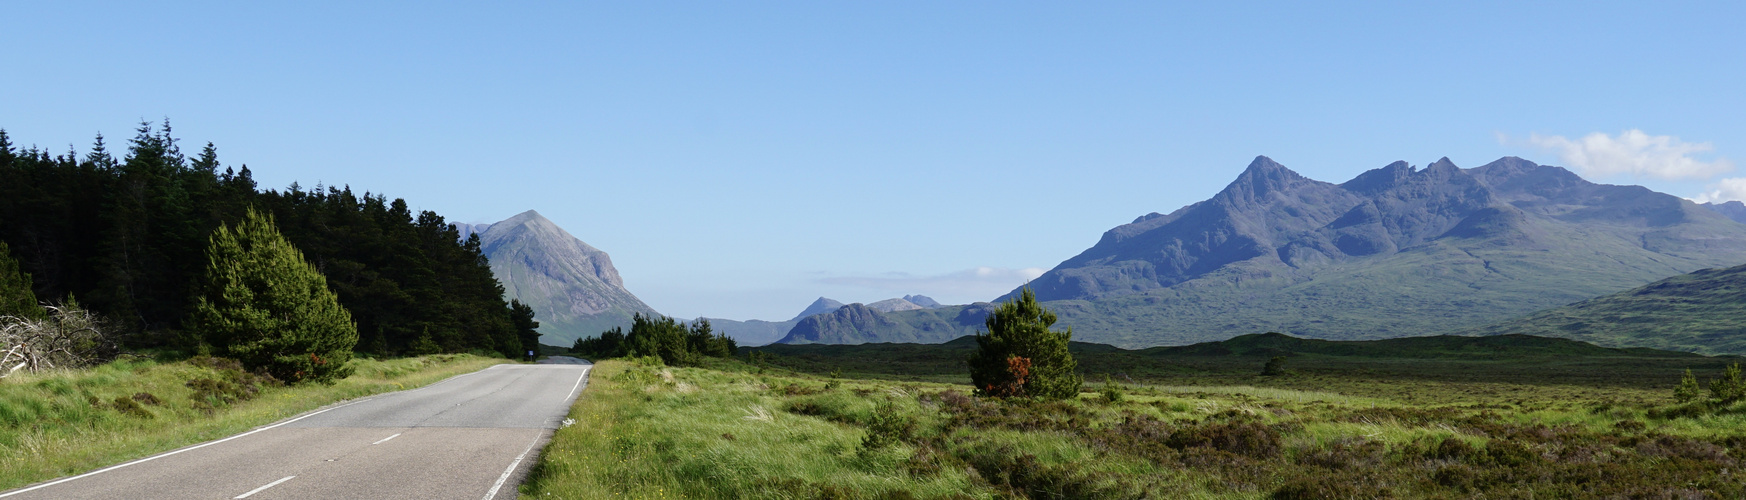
(471, 436)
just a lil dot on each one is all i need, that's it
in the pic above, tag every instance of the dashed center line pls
(384, 440)
(263, 488)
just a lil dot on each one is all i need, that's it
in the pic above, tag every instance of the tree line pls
(666, 338)
(128, 237)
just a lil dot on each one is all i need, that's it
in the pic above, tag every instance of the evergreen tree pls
(665, 337)
(1020, 357)
(1688, 389)
(16, 297)
(262, 304)
(526, 329)
(1728, 388)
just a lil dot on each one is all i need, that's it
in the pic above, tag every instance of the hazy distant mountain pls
(820, 306)
(894, 305)
(1733, 209)
(923, 300)
(573, 288)
(1699, 312)
(859, 324)
(754, 332)
(1396, 251)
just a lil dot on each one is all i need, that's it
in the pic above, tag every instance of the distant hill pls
(820, 306)
(1702, 312)
(857, 324)
(924, 301)
(573, 288)
(1396, 251)
(1733, 209)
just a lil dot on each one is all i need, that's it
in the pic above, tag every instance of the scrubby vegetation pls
(734, 430)
(61, 422)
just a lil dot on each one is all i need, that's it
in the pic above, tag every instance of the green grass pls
(60, 423)
(1354, 427)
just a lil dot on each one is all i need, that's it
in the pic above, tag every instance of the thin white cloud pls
(1632, 152)
(979, 284)
(1730, 189)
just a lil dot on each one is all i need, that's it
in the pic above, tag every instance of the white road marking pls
(511, 470)
(384, 440)
(263, 488)
(190, 448)
(578, 384)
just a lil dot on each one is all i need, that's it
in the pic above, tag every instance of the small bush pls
(127, 406)
(1324, 487)
(1275, 367)
(887, 426)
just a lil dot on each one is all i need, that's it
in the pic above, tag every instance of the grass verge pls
(60, 423)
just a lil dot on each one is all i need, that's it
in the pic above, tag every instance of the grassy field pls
(55, 424)
(1345, 428)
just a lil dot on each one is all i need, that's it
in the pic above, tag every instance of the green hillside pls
(1702, 312)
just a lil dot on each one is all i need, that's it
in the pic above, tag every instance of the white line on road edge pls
(190, 448)
(578, 384)
(384, 440)
(263, 488)
(511, 470)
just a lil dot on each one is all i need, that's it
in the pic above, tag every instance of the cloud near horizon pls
(1730, 189)
(979, 284)
(1632, 152)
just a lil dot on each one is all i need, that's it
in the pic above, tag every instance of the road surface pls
(471, 436)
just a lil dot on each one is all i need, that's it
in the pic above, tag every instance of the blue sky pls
(738, 159)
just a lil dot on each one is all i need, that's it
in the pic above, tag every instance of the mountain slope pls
(571, 286)
(1699, 312)
(1396, 251)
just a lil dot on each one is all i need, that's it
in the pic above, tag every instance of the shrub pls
(1020, 356)
(1112, 393)
(263, 304)
(1728, 388)
(1688, 389)
(1275, 367)
(887, 426)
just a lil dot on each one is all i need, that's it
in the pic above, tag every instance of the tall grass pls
(66, 422)
(738, 432)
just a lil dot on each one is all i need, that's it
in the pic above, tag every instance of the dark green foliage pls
(1275, 367)
(1112, 392)
(887, 426)
(526, 329)
(128, 237)
(16, 297)
(664, 338)
(262, 304)
(1020, 356)
(606, 345)
(1688, 389)
(1728, 388)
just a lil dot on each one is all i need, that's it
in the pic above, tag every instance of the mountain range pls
(1396, 251)
(759, 332)
(1698, 312)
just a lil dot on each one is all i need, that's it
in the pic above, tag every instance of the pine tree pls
(1020, 357)
(16, 297)
(1688, 389)
(262, 304)
(525, 327)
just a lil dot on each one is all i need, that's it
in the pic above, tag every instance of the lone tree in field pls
(1020, 357)
(262, 304)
